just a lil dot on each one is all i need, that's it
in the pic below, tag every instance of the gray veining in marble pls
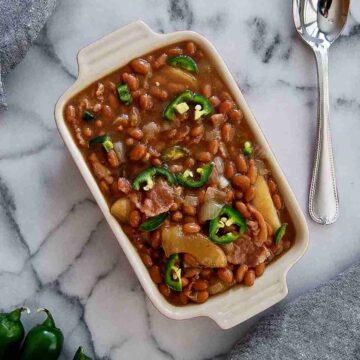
(56, 249)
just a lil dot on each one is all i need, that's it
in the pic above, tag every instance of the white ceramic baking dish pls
(239, 303)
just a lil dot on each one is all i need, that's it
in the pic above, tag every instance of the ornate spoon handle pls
(323, 198)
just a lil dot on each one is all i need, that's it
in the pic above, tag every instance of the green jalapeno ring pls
(184, 62)
(279, 234)
(172, 273)
(147, 176)
(186, 180)
(154, 222)
(232, 216)
(104, 140)
(88, 116)
(124, 94)
(188, 96)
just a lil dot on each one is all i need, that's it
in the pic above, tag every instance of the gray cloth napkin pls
(322, 324)
(20, 23)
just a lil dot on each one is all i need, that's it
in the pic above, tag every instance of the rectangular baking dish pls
(239, 303)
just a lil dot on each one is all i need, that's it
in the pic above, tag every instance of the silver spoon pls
(319, 23)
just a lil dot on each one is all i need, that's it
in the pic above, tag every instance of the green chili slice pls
(172, 274)
(175, 153)
(280, 232)
(186, 178)
(248, 149)
(154, 222)
(104, 140)
(183, 62)
(124, 94)
(188, 97)
(147, 176)
(227, 217)
(88, 116)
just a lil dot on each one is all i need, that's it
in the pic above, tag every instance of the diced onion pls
(191, 200)
(214, 176)
(209, 210)
(212, 134)
(223, 182)
(219, 164)
(261, 167)
(119, 148)
(217, 287)
(150, 130)
(214, 194)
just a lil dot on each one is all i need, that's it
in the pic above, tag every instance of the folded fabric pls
(322, 324)
(20, 23)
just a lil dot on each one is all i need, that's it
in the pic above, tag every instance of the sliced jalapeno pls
(175, 153)
(280, 232)
(147, 177)
(172, 273)
(248, 149)
(104, 140)
(186, 178)
(188, 97)
(227, 217)
(154, 222)
(88, 116)
(183, 62)
(124, 94)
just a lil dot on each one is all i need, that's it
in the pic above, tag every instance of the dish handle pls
(259, 297)
(106, 54)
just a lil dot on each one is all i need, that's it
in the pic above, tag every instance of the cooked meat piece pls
(157, 200)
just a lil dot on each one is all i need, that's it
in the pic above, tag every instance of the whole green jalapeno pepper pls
(43, 341)
(11, 333)
(80, 355)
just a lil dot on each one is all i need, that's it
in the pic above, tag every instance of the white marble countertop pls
(56, 249)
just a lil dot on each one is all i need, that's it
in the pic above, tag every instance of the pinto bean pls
(250, 193)
(155, 274)
(259, 269)
(241, 164)
(243, 210)
(140, 66)
(213, 146)
(235, 115)
(217, 119)
(164, 290)
(131, 80)
(191, 228)
(137, 152)
(226, 106)
(206, 90)
(158, 93)
(146, 102)
(227, 132)
(201, 285)
(215, 101)
(191, 261)
(135, 133)
(241, 181)
(229, 169)
(134, 218)
(225, 275)
(177, 216)
(277, 201)
(160, 61)
(203, 156)
(197, 130)
(272, 186)
(190, 48)
(200, 297)
(113, 159)
(189, 209)
(240, 273)
(249, 278)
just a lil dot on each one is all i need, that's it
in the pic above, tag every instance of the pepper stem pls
(49, 321)
(16, 314)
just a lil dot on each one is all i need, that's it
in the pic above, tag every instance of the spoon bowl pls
(320, 23)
